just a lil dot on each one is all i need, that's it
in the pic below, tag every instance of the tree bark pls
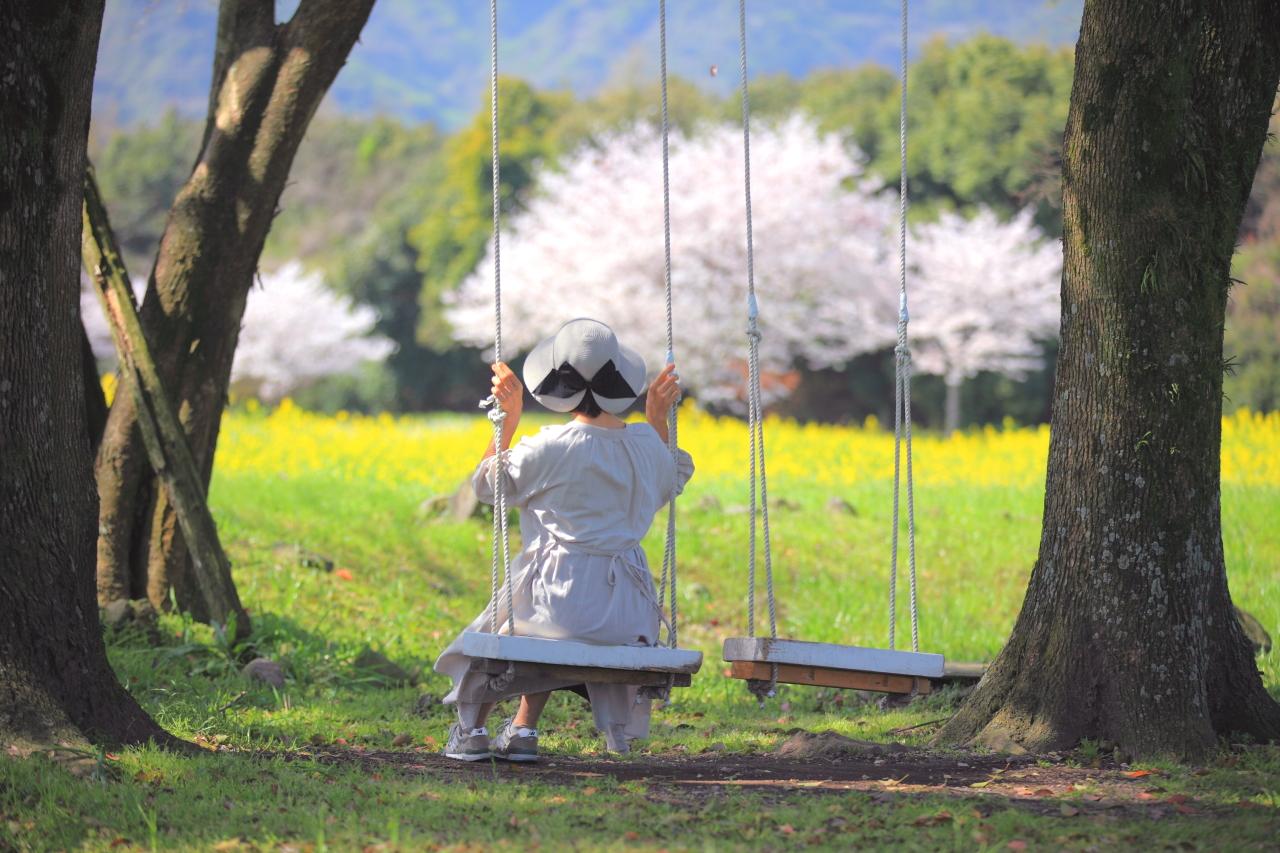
(55, 682)
(268, 80)
(1127, 633)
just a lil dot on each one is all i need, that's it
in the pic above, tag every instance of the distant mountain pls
(428, 59)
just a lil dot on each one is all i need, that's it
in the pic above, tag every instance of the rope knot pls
(496, 413)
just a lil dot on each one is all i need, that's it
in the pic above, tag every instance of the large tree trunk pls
(1127, 633)
(55, 682)
(268, 80)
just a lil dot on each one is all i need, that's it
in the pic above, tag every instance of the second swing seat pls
(832, 665)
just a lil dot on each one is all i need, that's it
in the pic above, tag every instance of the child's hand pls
(663, 394)
(508, 391)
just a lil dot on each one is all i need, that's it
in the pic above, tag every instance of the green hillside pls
(427, 59)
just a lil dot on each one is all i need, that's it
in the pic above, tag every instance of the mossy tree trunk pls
(55, 682)
(268, 80)
(1127, 633)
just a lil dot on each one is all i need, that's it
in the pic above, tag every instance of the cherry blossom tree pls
(589, 243)
(295, 331)
(984, 296)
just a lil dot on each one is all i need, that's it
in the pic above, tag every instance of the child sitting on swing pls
(588, 491)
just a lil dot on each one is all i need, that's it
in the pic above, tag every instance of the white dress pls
(588, 495)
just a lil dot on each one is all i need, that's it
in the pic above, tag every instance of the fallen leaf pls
(787, 829)
(631, 836)
(430, 742)
(1138, 774)
(1069, 811)
(1017, 844)
(1181, 809)
(589, 790)
(1042, 792)
(1176, 799)
(932, 820)
(345, 574)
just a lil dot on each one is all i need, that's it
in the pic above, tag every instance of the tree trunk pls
(268, 80)
(161, 431)
(55, 682)
(1127, 633)
(951, 409)
(95, 401)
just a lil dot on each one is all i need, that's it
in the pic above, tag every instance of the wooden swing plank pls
(816, 676)
(833, 656)
(538, 650)
(581, 674)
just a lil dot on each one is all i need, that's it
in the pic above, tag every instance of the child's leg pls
(472, 715)
(531, 706)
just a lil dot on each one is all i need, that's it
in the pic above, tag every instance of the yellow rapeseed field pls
(435, 453)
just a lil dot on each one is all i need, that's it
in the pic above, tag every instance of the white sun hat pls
(584, 355)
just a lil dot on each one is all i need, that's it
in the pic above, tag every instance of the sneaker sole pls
(469, 756)
(518, 758)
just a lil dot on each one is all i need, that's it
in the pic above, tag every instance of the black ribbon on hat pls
(565, 381)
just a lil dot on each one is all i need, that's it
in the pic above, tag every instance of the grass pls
(339, 759)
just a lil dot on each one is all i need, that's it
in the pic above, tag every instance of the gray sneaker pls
(515, 743)
(468, 747)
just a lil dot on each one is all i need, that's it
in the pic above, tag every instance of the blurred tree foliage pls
(139, 173)
(1253, 331)
(398, 214)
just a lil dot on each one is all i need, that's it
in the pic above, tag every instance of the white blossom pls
(294, 331)
(590, 243)
(984, 295)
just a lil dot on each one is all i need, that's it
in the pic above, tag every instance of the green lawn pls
(340, 760)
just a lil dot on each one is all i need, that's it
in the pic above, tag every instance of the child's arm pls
(663, 394)
(509, 392)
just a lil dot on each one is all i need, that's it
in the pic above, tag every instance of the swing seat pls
(832, 665)
(643, 666)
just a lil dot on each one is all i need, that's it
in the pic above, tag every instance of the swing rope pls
(902, 388)
(902, 379)
(755, 417)
(501, 543)
(669, 555)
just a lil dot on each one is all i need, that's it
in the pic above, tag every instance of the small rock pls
(463, 503)
(999, 741)
(425, 703)
(117, 613)
(290, 553)
(709, 503)
(402, 740)
(716, 747)
(831, 745)
(1258, 636)
(264, 670)
(433, 507)
(839, 506)
(143, 613)
(379, 664)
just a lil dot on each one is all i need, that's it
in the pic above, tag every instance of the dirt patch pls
(830, 746)
(982, 782)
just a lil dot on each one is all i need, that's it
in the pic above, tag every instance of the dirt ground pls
(1035, 783)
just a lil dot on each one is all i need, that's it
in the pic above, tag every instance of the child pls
(588, 491)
